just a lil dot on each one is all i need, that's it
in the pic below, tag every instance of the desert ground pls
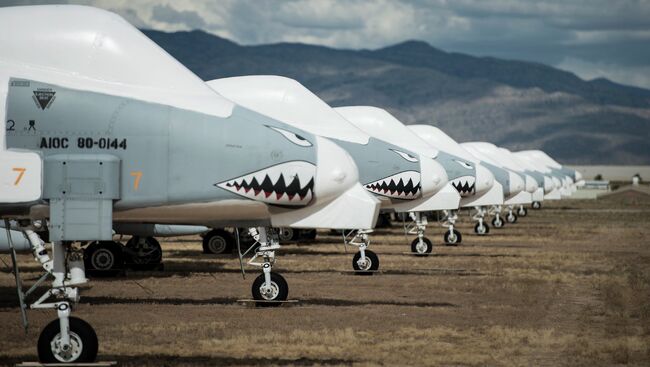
(566, 285)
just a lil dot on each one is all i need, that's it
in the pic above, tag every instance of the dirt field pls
(567, 285)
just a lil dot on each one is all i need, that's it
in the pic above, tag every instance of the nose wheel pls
(497, 222)
(277, 290)
(522, 212)
(81, 348)
(367, 265)
(421, 247)
(481, 229)
(452, 238)
(511, 217)
(536, 205)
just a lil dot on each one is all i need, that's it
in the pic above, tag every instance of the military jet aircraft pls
(570, 178)
(503, 157)
(398, 177)
(102, 126)
(469, 180)
(507, 187)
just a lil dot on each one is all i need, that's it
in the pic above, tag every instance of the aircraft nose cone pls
(531, 184)
(336, 171)
(484, 179)
(549, 185)
(517, 183)
(557, 182)
(578, 176)
(434, 176)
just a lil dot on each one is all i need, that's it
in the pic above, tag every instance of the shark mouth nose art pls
(290, 183)
(464, 185)
(404, 185)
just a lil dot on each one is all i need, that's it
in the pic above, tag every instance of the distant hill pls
(516, 104)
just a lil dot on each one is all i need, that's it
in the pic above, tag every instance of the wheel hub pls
(103, 259)
(69, 353)
(269, 293)
(217, 245)
(421, 247)
(364, 264)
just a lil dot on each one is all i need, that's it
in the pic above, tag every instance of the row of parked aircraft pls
(108, 134)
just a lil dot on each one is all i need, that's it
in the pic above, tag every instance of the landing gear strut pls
(268, 286)
(364, 262)
(452, 237)
(67, 339)
(481, 228)
(497, 221)
(511, 217)
(522, 212)
(420, 245)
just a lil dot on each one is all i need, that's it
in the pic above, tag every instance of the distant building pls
(613, 173)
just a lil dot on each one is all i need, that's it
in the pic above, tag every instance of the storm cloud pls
(593, 38)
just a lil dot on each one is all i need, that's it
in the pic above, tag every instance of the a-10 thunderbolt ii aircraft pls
(550, 175)
(103, 126)
(503, 157)
(401, 179)
(469, 180)
(508, 186)
(570, 178)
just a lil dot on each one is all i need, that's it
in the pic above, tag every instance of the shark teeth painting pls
(404, 185)
(464, 185)
(290, 183)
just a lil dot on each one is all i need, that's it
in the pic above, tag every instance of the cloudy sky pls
(593, 38)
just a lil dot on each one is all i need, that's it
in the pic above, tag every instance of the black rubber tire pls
(374, 263)
(501, 222)
(459, 238)
(511, 219)
(288, 234)
(308, 234)
(522, 212)
(536, 205)
(415, 243)
(151, 262)
(78, 326)
(224, 239)
(487, 229)
(280, 282)
(100, 248)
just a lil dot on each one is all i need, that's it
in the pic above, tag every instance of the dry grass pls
(568, 285)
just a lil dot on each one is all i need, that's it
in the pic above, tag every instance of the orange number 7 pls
(138, 176)
(21, 173)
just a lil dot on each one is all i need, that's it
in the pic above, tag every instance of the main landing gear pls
(452, 237)
(268, 286)
(67, 339)
(481, 228)
(364, 262)
(420, 245)
(109, 258)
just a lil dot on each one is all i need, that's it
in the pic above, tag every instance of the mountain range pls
(515, 104)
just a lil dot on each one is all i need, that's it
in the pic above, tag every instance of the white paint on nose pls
(484, 179)
(336, 171)
(433, 176)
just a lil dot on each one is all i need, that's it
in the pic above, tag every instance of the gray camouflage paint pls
(461, 173)
(182, 155)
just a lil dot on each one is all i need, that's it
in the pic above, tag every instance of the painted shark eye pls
(406, 156)
(465, 164)
(292, 137)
